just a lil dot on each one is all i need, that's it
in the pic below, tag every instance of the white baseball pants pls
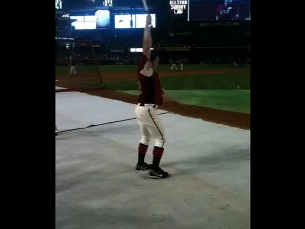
(150, 125)
(174, 66)
(181, 66)
(73, 70)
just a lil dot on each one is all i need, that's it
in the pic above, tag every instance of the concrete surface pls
(96, 187)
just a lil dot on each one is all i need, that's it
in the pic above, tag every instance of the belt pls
(143, 105)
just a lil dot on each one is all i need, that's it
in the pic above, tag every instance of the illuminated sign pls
(178, 6)
(58, 4)
(64, 38)
(138, 49)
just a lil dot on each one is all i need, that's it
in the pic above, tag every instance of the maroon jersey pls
(149, 84)
(228, 12)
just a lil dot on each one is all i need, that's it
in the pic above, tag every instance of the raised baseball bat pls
(145, 5)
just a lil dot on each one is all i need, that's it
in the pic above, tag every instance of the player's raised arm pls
(147, 41)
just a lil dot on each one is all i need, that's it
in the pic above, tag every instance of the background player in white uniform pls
(174, 65)
(73, 67)
(179, 61)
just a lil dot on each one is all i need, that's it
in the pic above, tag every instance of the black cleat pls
(158, 174)
(142, 168)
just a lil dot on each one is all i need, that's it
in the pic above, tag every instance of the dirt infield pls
(229, 118)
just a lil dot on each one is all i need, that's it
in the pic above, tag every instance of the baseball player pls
(73, 67)
(174, 65)
(150, 97)
(179, 61)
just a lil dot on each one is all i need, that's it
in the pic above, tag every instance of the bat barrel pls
(145, 5)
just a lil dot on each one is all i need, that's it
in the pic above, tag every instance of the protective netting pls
(77, 68)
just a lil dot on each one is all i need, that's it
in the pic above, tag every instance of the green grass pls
(223, 91)
(229, 100)
(133, 68)
(205, 82)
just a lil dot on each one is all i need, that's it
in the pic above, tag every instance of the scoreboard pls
(178, 6)
(58, 4)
